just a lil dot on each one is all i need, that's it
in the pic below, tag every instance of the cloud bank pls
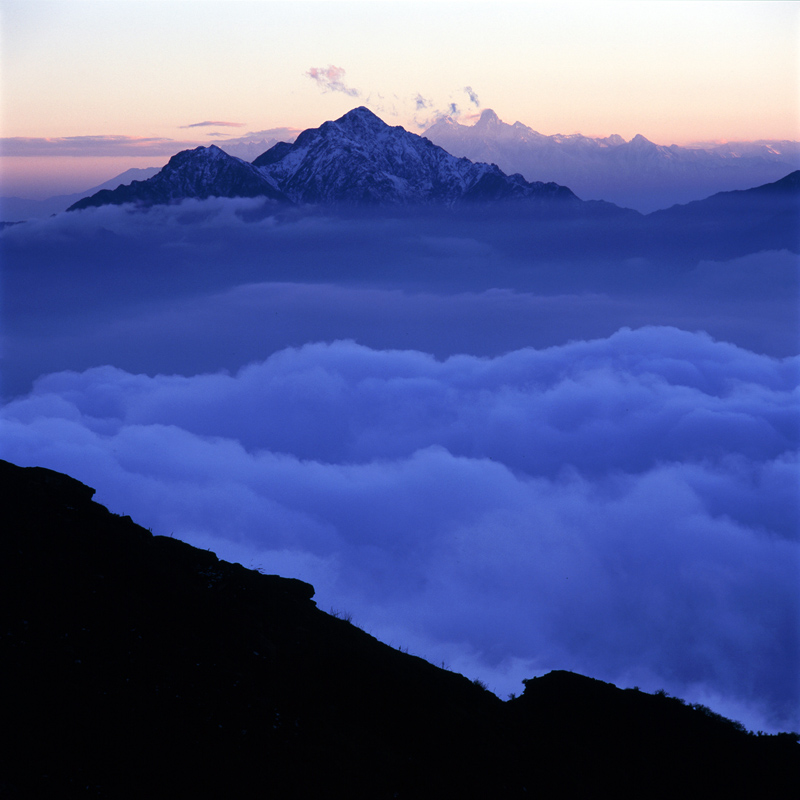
(626, 507)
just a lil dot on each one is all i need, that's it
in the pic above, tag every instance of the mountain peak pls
(201, 173)
(360, 119)
(199, 156)
(443, 122)
(641, 141)
(201, 153)
(488, 118)
(360, 112)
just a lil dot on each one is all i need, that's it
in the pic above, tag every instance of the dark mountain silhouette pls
(138, 666)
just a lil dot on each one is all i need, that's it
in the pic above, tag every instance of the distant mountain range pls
(636, 174)
(138, 666)
(358, 161)
(354, 160)
(20, 208)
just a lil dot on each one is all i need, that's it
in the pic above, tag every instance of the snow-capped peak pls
(361, 114)
(488, 118)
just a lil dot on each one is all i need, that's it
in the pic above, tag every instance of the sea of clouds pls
(502, 462)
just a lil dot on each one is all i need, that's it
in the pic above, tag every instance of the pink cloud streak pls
(331, 79)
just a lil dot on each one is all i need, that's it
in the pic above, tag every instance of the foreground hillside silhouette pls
(139, 666)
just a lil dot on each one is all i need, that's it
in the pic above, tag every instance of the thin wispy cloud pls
(331, 79)
(91, 146)
(286, 134)
(209, 124)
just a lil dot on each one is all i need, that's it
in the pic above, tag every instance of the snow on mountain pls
(639, 174)
(359, 159)
(201, 173)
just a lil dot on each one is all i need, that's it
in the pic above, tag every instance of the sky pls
(111, 84)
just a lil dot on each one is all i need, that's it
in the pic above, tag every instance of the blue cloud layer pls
(203, 286)
(626, 507)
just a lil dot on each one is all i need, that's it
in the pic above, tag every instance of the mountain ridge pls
(728, 223)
